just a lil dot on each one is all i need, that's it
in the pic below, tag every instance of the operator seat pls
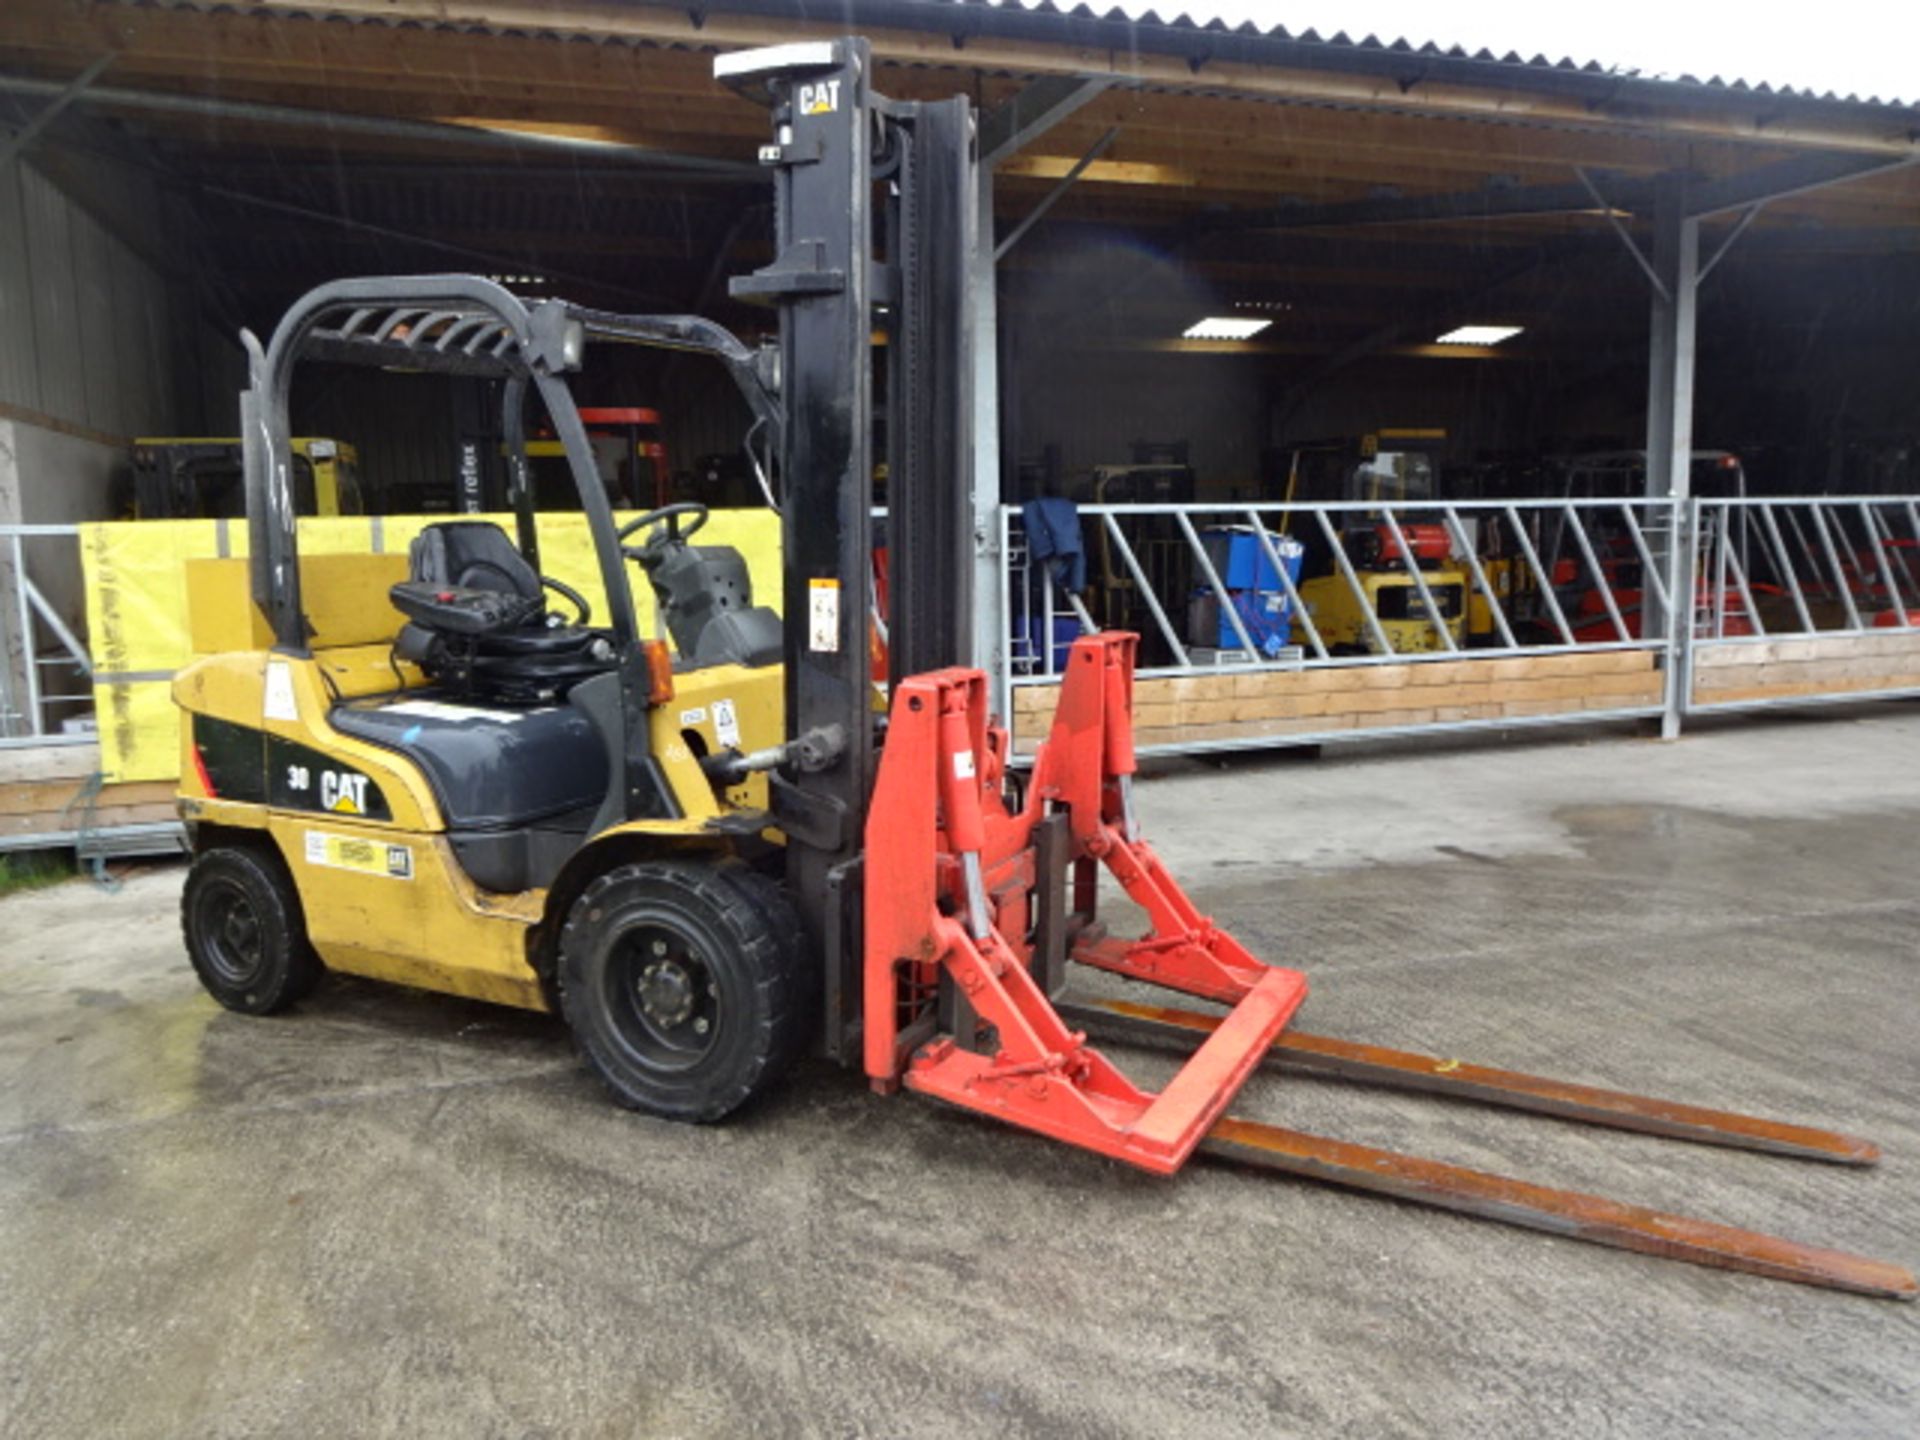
(472, 555)
(478, 622)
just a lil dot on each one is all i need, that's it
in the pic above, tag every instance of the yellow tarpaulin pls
(137, 602)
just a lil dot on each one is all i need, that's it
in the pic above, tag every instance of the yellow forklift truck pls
(1369, 599)
(201, 479)
(705, 846)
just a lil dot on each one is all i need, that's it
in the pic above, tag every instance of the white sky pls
(1863, 47)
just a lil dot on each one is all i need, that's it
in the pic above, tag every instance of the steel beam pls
(1027, 116)
(1670, 367)
(1794, 176)
(16, 143)
(1626, 237)
(1034, 111)
(1720, 251)
(990, 618)
(1052, 197)
(1490, 202)
(691, 167)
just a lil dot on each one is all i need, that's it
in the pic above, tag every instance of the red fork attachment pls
(955, 897)
(949, 879)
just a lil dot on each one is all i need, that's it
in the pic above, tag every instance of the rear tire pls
(245, 932)
(685, 985)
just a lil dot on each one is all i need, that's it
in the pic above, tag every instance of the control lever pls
(809, 753)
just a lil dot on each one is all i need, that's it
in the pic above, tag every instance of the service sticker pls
(823, 616)
(365, 857)
(278, 702)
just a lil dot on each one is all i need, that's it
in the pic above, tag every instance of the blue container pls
(1066, 630)
(1253, 589)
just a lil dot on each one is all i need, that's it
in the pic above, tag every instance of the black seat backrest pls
(472, 555)
(706, 597)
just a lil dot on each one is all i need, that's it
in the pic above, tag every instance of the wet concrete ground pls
(394, 1213)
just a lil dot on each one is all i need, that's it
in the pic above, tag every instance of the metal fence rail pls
(46, 672)
(1832, 565)
(1305, 586)
(1818, 601)
(1311, 585)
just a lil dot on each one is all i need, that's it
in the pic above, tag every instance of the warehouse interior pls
(223, 162)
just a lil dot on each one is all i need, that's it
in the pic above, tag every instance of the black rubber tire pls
(777, 912)
(728, 928)
(245, 932)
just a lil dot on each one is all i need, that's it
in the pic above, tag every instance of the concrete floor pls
(393, 1213)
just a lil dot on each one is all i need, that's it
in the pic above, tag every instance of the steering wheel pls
(654, 517)
(583, 612)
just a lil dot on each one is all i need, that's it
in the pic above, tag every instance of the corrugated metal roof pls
(1185, 23)
(1196, 40)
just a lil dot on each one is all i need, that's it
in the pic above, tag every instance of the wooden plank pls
(1240, 705)
(1790, 691)
(27, 763)
(55, 822)
(1838, 673)
(51, 796)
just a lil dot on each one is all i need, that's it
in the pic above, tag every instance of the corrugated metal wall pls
(91, 335)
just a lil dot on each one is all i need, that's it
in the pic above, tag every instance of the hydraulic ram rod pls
(1322, 1055)
(1558, 1212)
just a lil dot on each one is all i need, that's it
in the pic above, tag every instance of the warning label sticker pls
(823, 616)
(368, 857)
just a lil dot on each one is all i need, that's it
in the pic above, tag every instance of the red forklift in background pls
(629, 450)
(1620, 475)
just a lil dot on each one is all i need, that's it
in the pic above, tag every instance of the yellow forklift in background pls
(1367, 599)
(201, 479)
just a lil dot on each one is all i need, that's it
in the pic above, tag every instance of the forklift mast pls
(873, 225)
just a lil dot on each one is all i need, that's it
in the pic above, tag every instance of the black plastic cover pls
(490, 767)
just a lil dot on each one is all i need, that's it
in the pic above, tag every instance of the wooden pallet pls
(1277, 704)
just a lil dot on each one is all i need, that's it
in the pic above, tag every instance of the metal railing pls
(1832, 565)
(1828, 570)
(1311, 585)
(46, 672)
(1360, 584)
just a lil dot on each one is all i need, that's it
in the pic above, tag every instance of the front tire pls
(244, 931)
(684, 985)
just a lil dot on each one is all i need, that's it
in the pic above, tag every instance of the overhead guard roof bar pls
(447, 324)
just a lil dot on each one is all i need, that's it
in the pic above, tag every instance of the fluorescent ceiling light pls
(1478, 335)
(1225, 327)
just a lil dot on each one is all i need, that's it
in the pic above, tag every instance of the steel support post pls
(989, 594)
(1002, 132)
(1670, 363)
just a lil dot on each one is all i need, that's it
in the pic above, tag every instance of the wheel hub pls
(667, 992)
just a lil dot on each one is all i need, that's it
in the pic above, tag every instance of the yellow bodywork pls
(387, 898)
(1337, 615)
(136, 574)
(1511, 580)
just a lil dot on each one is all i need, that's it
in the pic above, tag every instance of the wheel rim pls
(231, 939)
(663, 998)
